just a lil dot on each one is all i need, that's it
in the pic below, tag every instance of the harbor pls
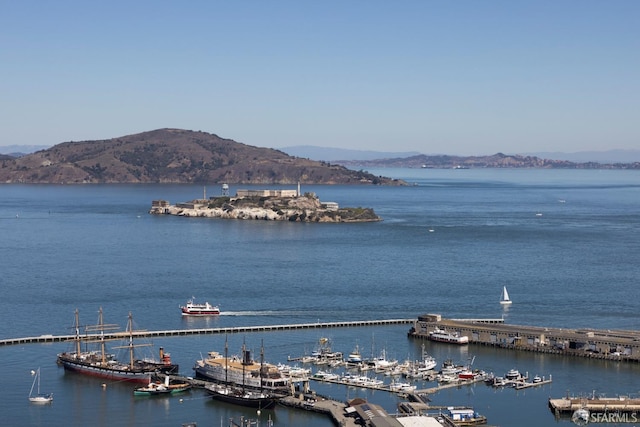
(616, 345)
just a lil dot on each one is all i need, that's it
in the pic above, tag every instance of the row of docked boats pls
(235, 379)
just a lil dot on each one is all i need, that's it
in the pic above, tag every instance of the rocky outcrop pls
(307, 208)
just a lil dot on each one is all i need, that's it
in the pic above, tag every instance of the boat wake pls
(263, 313)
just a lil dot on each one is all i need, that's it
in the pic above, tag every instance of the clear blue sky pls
(452, 77)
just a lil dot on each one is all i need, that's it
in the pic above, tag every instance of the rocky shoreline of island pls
(269, 205)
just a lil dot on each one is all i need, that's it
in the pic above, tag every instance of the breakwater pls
(203, 331)
(621, 345)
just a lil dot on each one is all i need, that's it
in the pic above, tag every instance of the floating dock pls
(618, 345)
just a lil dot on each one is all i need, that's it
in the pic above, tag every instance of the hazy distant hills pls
(20, 150)
(183, 156)
(609, 156)
(331, 154)
(174, 156)
(412, 159)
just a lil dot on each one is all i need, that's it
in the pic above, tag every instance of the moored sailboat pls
(39, 397)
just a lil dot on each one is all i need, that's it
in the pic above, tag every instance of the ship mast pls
(244, 362)
(130, 344)
(226, 361)
(78, 349)
(100, 327)
(261, 362)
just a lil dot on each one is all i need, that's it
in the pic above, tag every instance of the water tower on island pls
(225, 189)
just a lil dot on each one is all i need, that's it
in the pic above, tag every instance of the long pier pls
(618, 345)
(203, 331)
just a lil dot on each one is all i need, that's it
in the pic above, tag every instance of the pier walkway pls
(617, 345)
(204, 331)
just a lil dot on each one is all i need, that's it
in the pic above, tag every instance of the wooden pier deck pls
(615, 345)
(458, 383)
(203, 331)
(567, 405)
(336, 410)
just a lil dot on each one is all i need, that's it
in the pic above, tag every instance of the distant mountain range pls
(339, 154)
(174, 156)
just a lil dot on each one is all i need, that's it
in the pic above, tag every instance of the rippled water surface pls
(565, 243)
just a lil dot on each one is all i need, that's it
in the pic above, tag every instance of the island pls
(270, 205)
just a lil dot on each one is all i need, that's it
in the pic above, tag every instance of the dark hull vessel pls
(237, 396)
(99, 364)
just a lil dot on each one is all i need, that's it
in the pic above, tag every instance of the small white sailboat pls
(504, 299)
(39, 397)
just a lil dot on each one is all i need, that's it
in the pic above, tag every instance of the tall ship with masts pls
(241, 394)
(94, 360)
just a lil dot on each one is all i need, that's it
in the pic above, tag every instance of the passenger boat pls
(39, 397)
(241, 371)
(99, 363)
(442, 335)
(191, 308)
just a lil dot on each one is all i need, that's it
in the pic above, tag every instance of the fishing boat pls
(354, 358)
(39, 397)
(155, 388)
(504, 298)
(323, 354)
(99, 363)
(442, 335)
(241, 371)
(191, 308)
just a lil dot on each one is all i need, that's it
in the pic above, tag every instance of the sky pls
(435, 77)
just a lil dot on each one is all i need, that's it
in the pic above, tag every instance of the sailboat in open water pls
(504, 299)
(39, 397)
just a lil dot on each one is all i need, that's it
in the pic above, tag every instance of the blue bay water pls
(565, 243)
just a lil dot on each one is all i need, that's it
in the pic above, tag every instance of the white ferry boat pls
(449, 337)
(191, 308)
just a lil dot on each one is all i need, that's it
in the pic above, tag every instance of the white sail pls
(505, 296)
